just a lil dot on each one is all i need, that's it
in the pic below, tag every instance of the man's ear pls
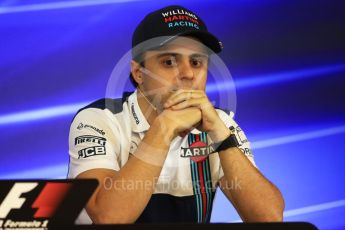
(136, 73)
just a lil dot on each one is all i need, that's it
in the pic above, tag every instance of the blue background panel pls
(287, 60)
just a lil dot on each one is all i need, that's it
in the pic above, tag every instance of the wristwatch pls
(229, 142)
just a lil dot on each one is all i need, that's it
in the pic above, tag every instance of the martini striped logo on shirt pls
(201, 178)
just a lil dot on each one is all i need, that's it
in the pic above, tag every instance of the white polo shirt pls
(105, 133)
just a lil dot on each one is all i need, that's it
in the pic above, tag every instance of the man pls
(159, 153)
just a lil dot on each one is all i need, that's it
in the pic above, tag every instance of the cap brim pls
(206, 38)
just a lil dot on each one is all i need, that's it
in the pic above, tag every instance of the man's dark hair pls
(134, 83)
(140, 60)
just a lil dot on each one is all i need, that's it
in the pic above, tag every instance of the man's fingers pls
(183, 95)
(182, 105)
(200, 103)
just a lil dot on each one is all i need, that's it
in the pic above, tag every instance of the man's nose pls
(185, 71)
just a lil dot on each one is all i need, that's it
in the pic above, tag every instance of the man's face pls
(180, 64)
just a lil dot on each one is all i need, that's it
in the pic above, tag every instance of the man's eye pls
(196, 63)
(170, 62)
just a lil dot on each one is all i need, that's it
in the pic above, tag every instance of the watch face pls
(240, 135)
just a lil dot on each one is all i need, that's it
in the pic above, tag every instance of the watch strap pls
(230, 142)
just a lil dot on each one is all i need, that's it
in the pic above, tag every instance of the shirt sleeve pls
(92, 143)
(244, 144)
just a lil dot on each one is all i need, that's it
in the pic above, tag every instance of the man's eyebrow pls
(167, 54)
(194, 55)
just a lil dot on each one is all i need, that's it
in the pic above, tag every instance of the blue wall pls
(287, 59)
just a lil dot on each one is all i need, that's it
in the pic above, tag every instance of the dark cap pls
(168, 23)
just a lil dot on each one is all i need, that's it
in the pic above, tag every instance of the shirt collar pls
(195, 131)
(138, 120)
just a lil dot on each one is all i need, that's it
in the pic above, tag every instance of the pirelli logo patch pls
(90, 139)
(98, 149)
